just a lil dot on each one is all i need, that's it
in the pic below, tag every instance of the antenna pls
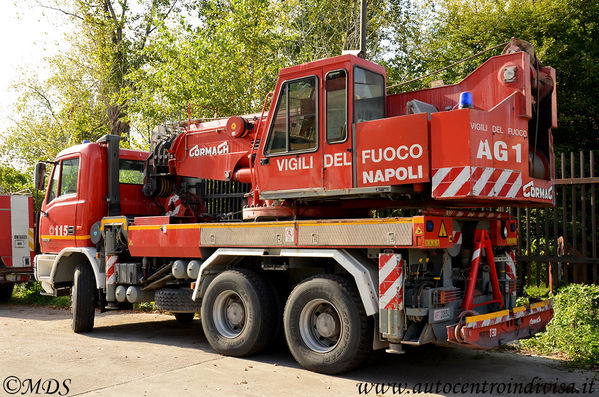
(362, 51)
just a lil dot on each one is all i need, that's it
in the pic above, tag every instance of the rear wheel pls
(83, 298)
(6, 291)
(176, 301)
(239, 316)
(326, 327)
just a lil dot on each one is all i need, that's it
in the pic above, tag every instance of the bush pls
(145, 307)
(574, 329)
(30, 294)
(534, 293)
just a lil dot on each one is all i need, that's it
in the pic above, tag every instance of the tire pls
(184, 318)
(83, 298)
(176, 301)
(239, 316)
(326, 326)
(6, 291)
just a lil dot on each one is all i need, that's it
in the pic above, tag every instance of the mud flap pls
(486, 331)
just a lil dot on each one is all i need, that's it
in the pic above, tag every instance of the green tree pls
(564, 33)
(224, 60)
(228, 55)
(12, 181)
(85, 95)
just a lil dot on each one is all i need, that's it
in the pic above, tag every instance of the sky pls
(28, 33)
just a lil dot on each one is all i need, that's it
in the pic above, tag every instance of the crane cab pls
(329, 132)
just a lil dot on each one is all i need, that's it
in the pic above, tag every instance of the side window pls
(369, 95)
(277, 141)
(69, 174)
(336, 106)
(53, 188)
(131, 172)
(295, 124)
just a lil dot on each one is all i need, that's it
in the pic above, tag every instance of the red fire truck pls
(343, 217)
(17, 248)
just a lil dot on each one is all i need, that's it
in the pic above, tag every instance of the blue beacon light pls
(465, 100)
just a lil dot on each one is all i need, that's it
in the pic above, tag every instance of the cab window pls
(68, 176)
(336, 106)
(131, 172)
(369, 95)
(53, 188)
(64, 179)
(295, 123)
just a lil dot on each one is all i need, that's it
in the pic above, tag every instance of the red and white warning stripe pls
(480, 321)
(110, 274)
(540, 306)
(174, 206)
(510, 270)
(391, 280)
(476, 181)
(456, 237)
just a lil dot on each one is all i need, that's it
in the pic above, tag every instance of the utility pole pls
(362, 53)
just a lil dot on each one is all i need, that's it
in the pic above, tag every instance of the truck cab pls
(76, 199)
(311, 138)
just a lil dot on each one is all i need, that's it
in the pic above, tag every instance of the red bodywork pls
(208, 150)
(493, 329)
(486, 149)
(468, 157)
(17, 248)
(66, 220)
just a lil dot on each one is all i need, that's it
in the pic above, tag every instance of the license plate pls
(442, 314)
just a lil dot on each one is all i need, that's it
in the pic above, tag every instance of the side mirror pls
(39, 178)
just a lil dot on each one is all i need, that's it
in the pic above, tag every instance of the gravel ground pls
(147, 354)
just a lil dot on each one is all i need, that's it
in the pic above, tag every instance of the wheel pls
(184, 317)
(239, 316)
(83, 298)
(6, 291)
(176, 301)
(326, 327)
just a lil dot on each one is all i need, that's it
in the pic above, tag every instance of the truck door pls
(291, 159)
(337, 142)
(59, 209)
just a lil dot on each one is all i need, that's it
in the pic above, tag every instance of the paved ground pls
(153, 355)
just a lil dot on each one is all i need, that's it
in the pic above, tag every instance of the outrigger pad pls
(487, 331)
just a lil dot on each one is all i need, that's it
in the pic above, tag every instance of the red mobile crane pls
(262, 223)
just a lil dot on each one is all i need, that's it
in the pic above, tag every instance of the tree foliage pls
(563, 32)
(227, 56)
(85, 95)
(135, 63)
(12, 181)
(223, 61)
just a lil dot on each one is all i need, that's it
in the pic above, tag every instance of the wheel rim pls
(320, 325)
(229, 314)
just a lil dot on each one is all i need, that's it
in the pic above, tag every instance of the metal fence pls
(558, 245)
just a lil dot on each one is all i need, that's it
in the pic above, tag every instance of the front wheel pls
(239, 315)
(326, 327)
(83, 298)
